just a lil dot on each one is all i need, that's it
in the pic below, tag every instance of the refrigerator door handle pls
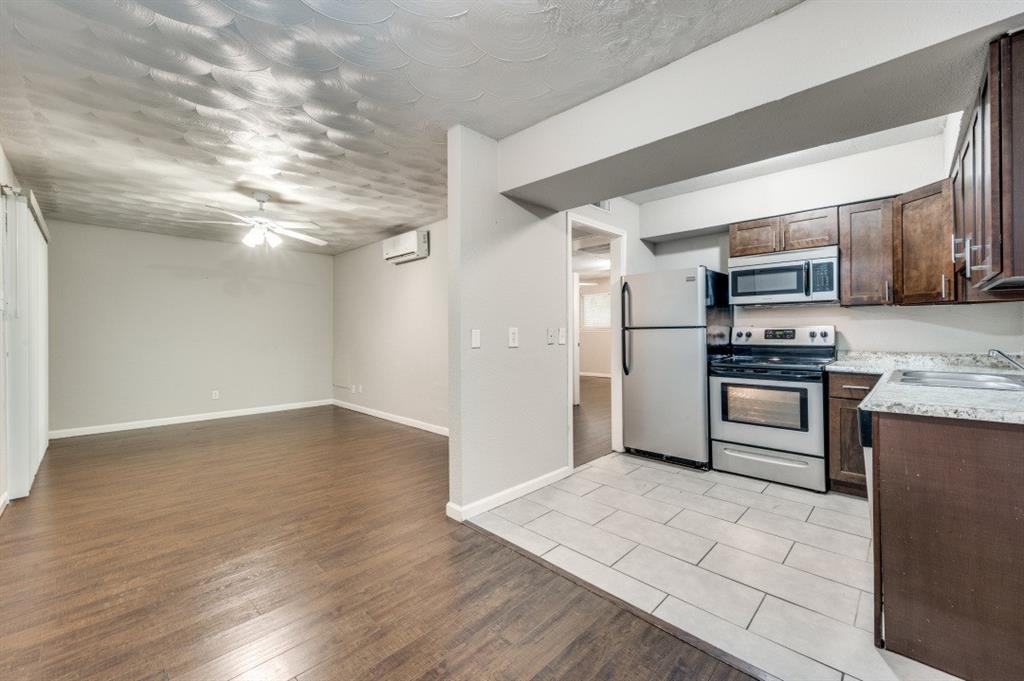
(624, 302)
(625, 352)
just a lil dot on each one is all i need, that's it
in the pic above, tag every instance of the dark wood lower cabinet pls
(845, 455)
(950, 535)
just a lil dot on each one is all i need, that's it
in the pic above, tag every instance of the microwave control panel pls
(823, 276)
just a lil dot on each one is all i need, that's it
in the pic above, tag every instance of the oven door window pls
(767, 406)
(762, 281)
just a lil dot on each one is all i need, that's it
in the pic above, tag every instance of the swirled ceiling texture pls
(137, 113)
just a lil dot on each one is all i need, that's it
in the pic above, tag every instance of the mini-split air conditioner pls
(413, 245)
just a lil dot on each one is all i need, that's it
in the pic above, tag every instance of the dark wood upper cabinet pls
(988, 183)
(865, 253)
(922, 234)
(754, 237)
(810, 229)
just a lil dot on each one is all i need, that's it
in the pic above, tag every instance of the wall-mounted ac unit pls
(413, 245)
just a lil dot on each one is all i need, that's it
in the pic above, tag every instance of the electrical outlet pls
(215, 395)
(513, 336)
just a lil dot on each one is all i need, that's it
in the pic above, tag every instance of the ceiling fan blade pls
(288, 224)
(216, 222)
(243, 218)
(297, 235)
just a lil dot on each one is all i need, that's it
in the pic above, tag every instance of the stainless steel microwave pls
(810, 275)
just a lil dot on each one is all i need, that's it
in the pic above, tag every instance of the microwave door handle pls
(807, 278)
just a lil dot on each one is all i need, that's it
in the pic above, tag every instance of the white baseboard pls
(594, 374)
(3, 502)
(189, 418)
(460, 513)
(395, 418)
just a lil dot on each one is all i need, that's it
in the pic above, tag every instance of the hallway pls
(592, 420)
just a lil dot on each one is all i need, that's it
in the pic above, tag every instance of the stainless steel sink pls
(958, 379)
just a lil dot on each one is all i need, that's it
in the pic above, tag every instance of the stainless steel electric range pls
(767, 405)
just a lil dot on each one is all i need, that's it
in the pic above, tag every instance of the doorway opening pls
(596, 267)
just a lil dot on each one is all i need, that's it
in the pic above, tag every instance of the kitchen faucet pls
(1002, 355)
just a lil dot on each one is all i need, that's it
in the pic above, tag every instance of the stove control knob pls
(739, 334)
(747, 334)
(824, 334)
(814, 334)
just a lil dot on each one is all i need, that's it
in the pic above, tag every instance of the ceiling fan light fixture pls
(255, 237)
(273, 240)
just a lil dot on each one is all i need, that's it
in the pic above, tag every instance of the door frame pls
(617, 271)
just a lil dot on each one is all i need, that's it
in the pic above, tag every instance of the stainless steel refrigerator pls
(670, 322)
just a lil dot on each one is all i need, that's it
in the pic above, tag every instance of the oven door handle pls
(765, 459)
(807, 278)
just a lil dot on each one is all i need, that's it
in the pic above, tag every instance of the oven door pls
(787, 415)
(770, 283)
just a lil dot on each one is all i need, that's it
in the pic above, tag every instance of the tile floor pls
(777, 576)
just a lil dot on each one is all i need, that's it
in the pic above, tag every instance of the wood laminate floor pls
(309, 544)
(592, 420)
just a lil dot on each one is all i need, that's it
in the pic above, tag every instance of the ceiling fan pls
(263, 229)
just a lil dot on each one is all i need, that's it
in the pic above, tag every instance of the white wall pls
(857, 177)
(145, 326)
(508, 265)
(595, 344)
(391, 332)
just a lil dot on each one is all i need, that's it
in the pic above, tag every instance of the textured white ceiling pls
(136, 113)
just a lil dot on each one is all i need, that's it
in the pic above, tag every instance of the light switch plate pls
(513, 336)
(563, 335)
(474, 338)
(551, 336)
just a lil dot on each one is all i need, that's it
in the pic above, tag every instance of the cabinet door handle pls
(855, 387)
(943, 285)
(967, 257)
(887, 297)
(953, 241)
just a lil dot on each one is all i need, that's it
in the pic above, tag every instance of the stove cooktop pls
(773, 362)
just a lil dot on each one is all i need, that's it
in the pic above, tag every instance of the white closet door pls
(26, 339)
(39, 345)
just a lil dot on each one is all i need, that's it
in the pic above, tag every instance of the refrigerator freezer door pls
(664, 399)
(661, 299)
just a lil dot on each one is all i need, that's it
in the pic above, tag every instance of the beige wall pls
(145, 326)
(391, 332)
(595, 344)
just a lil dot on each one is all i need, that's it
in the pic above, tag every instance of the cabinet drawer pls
(851, 386)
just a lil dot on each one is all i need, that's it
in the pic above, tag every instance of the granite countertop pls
(998, 406)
